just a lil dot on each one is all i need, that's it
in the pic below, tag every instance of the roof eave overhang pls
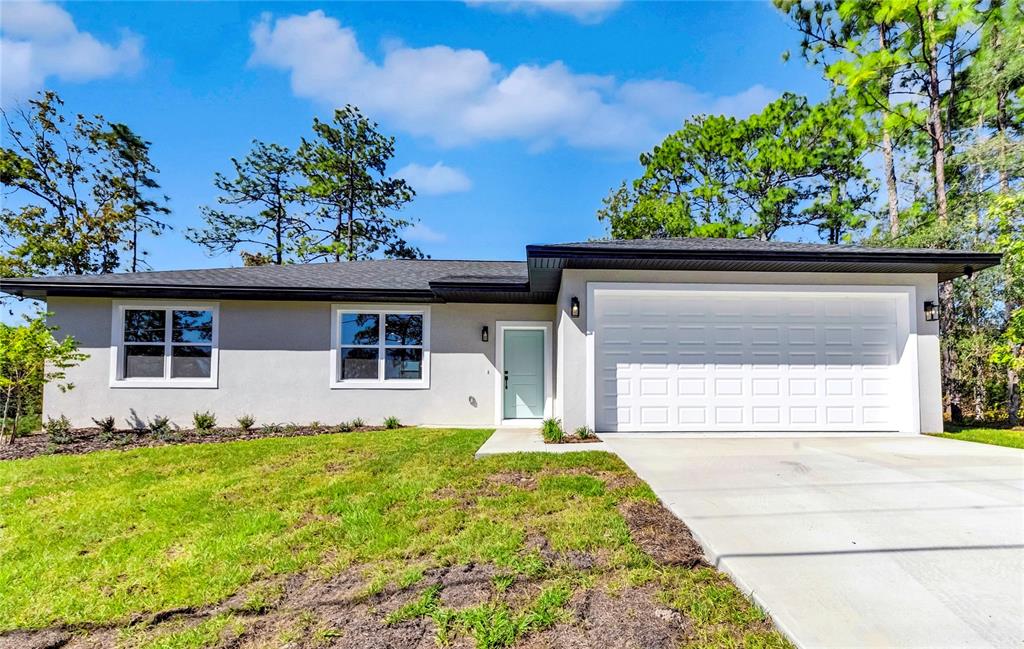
(545, 263)
(42, 289)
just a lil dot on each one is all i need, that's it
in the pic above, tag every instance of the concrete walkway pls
(528, 440)
(858, 541)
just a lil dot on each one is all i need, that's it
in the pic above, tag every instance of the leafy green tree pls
(859, 31)
(81, 182)
(30, 357)
(264, 202)
(134, 176)
(793, 164)
(345, 165)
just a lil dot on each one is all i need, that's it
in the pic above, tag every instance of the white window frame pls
(117, 345)
(380, 383)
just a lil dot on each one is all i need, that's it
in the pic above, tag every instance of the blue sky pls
(512, 120)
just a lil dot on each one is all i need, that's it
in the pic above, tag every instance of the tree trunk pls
(936, 130)
(888, 161)
(1013, 390)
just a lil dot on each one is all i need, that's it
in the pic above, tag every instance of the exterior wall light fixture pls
(931, 311)
(485, 335)
(574, 307)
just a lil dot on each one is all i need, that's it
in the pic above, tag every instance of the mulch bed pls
(87, 440)
(573, 439)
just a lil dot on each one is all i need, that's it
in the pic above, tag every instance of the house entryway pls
(523, 353)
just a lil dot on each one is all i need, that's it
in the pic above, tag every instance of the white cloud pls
(39, 40)
(585, 11)
(459, 96)
(424, 234)
(435, 180)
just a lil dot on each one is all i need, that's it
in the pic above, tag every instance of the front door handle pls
(506, 379)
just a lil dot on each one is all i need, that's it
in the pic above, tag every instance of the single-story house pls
(708, 335)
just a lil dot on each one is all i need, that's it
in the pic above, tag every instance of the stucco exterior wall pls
(571, 333)
(275, 365)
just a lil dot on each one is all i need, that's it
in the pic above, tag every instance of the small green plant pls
(427, 603)
(316, 425)
(204, 422)
(291, 427)
(58, 430)
(358, 423)
(160, 426)
(246, 422)
(552, 431)
(344, 427)
(106, 426)
(392, 423)
(584, 432)
(271, 429)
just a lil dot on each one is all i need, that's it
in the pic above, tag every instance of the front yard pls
(375, 539)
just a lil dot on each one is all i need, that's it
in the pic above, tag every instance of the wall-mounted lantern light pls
(574, 307)
(931, 311)
(484, 334)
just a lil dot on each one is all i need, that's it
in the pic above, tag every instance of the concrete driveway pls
(855, 541)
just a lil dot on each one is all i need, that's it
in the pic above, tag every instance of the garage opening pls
(715, 358)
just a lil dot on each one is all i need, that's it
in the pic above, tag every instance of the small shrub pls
(204, 421)
(358, 423)
(584, 432)
(392, 423)
(106, 426)
(316, 425)
(160, 426)
(58, 430)
(552, 431)
(291, 427)
(246, 422)
(344, 427)
(271, 429)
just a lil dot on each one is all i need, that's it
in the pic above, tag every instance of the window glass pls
(403, 329)
(403, 364)
(191, 361)
(192, 327)
(359, 363)
(144, 326)
(144, 361)
(360, 328)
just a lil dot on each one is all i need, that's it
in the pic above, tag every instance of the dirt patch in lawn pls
(307, 610)
(661, 535)
(628, 619)
(87, 440)
(521, 479)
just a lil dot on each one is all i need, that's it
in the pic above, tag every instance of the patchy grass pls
(224, 532)
(996, 436)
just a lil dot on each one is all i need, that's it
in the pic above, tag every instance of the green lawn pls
(104, 537)
(997, 436)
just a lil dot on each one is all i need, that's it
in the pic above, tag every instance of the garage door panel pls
(753, 362)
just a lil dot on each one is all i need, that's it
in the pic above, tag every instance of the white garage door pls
(711, 359)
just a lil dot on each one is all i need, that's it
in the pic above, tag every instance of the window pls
(164, 346)
(376, 347)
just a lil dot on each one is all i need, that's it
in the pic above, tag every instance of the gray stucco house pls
(702, 335)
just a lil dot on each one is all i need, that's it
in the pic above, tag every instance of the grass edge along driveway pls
(995, 436)
(111, 537)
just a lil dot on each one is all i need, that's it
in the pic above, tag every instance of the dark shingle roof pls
(400, 274)
(535, 280)
(371, 279)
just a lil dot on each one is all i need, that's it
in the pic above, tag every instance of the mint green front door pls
(523, 363)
